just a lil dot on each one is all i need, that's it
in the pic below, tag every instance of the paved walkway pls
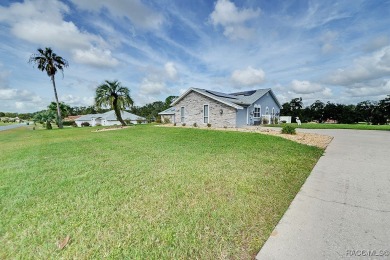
(7, 127)
(344, 206)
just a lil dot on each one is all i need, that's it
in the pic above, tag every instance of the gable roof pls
(236, 100)
(218, 96)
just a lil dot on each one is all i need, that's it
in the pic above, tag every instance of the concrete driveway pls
(343, 209)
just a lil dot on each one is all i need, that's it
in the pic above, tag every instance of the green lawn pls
(2, 123)
(339, 126)
(145, 192)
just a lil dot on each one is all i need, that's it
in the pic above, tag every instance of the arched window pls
(267, 111)
(273, 111)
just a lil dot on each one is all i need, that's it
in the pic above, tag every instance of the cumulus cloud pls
(248, 76)
(41, 22)
(371, 89)
(152, 87)
(77, 100)
(233, 20)
(138, 13)
(170, 70)
(95, 57)
(363, 69)
(305, 87)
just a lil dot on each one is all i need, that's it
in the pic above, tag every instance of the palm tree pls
(48, 61)
(114, 95)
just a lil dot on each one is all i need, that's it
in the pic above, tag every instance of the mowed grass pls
(145, 192)
(339, 126)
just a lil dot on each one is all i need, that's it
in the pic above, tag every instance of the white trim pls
(254, 111)
(182, 115)
(208, 113)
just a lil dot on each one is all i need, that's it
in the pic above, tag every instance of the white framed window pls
(257, 112)
(206, 114)
(273, 111)
(182, 114)
(267, 111)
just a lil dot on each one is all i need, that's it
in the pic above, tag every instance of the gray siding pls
(265, 101)
(241, 117)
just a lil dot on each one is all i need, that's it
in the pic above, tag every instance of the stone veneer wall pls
(193, 111)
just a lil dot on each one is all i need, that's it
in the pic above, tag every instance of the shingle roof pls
(169, 111)
(236, 100)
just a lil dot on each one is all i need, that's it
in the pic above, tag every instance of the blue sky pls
(336, 51)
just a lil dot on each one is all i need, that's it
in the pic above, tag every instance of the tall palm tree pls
(48, 61)
(114, 95)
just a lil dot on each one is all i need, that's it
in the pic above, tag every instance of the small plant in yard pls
(174, 124)
(225, 126)
(195, 125)
(183, 124)
(85, 124)
(288, 129)
(208, 125)
(265, 121)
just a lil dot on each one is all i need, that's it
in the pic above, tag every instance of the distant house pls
(237, 109)
(109, 118)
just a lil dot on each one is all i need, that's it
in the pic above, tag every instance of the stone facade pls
(193, 104)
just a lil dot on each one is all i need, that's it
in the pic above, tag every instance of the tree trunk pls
(59, 118)
(118, 112)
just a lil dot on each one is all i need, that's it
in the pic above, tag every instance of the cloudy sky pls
(328, 50)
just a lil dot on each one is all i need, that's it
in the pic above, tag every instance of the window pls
(182, 114)
(267, 111)
(273, 111)
(206, 114)
(257, 112)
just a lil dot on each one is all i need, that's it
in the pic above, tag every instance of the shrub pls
(265, 121)
(276, 120)
(98, 124)
(225, 126)
(85, 124)
(283, 121)
(195, 125)
(74, 124)
(183, 124)
(174, 124)
(68, 123)
(166, 120)
(158, 120)
(208, 125)
(288, 129)
(139, 120)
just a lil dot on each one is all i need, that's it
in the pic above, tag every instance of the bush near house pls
(85, 124)
(288, 129)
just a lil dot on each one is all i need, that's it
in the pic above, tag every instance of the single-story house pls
(109, 118)
(237, 109)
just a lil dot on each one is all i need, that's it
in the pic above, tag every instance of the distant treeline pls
(371, 112)
(149, 111)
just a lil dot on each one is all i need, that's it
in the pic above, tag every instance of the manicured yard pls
(145, 192)
(340, 126)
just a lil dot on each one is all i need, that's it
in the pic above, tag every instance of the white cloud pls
(95, 57)
(370, 89)
(171, 70)
(41, 22)
(248, 76)
(77, 100)
(305, 87)
(363, 69)
(152, 87)
(233, 20)
(138, 13)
